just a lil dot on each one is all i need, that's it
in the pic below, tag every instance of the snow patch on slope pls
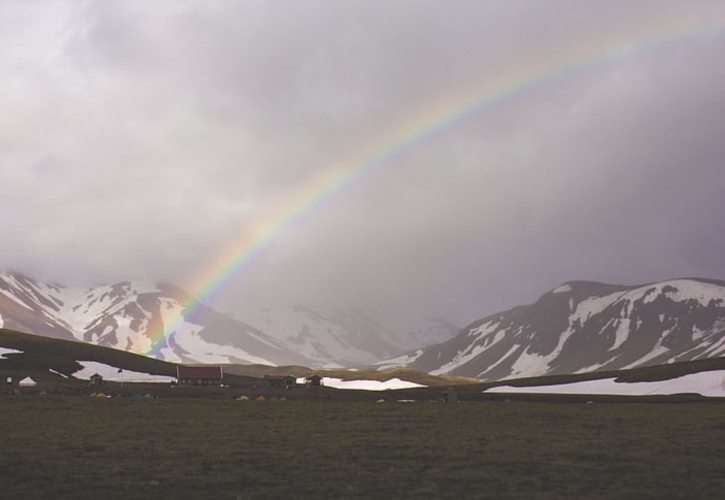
(116, 374)
(529, 362)
(710, 384)
(687, 290)
(399, 361)
(55, 372)
(15, 299)
(328, 337)
(622, 332)
(6, 350)
(473, 350)
(186, 338)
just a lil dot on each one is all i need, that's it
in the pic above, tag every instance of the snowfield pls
(368, 385)
(5, 350)
(397, 362)
(710, 384)
(54, 372)
(626, 327)
(188, 336)
(115, 374)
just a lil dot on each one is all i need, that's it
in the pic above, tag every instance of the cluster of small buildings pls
(289, 382)
(213, 376)
(196, 376)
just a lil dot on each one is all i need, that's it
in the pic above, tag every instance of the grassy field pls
(79, 447)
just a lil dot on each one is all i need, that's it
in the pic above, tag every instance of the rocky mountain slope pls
(127, 315)
(584, 326)
(345, 337)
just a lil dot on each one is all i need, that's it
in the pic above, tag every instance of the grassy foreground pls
(75, 447)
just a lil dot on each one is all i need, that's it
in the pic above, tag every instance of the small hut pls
(281, 381)
(27, 382)
(96, 380)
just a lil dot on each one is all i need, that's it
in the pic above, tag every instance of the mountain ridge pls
(131, 314)
(127, 314)
(582, 326)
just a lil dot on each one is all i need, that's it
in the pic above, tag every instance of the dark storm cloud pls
(137, 138)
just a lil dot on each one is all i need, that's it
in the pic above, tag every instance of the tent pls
(27, 382)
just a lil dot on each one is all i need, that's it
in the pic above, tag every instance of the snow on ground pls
(368, 385)
(12, 297)
(594, 305)
(80, 307)
(57, 373)
(6, 350)
(317, 335)
(116, 374)
(710, 383)
(530, 363)
(657, 350)
(622, 332)
(473, 349)
(397, 362)
(716, 347)
(500, 360)
(685, 289)
(186, 337)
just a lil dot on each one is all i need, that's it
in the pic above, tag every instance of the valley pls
(362, 250)
(211, 448)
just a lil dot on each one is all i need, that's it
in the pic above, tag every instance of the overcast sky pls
(139, 138)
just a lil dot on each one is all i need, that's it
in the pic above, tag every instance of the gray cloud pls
(138, 139)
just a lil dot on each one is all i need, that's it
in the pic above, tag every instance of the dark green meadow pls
(80, 447)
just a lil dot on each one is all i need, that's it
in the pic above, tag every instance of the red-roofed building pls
(199, 375)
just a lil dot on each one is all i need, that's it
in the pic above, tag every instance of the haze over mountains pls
(128, 315)
(577, 327)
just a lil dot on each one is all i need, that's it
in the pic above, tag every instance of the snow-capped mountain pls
(328, 337)
(130, 315)
(429, 331)
(344, 337)
(585, 326)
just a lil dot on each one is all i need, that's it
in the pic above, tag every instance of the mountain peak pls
(126, 315)
(582, 326)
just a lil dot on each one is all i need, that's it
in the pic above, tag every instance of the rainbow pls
(324, 188)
